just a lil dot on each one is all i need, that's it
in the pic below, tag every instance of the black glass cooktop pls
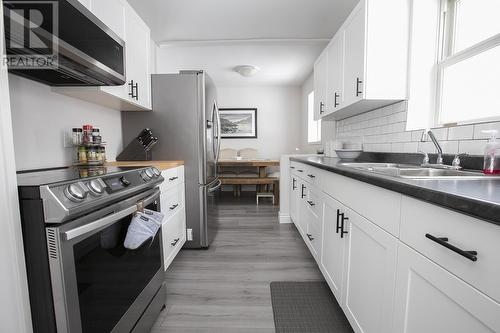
(59, 175)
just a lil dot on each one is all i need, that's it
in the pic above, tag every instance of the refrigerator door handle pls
(218, 132)
(216, 187)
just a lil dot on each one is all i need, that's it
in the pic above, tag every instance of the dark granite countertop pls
(479, 198)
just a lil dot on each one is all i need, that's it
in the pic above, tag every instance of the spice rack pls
(90, 150)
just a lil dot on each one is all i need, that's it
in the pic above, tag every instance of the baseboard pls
(285, 219)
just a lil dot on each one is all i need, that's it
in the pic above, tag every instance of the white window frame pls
(310, 112)
(446, 59)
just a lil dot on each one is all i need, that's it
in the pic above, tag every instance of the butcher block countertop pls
(161, 165)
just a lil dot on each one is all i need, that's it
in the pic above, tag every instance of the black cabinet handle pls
(134, 89)
(292, 167)
(174, 207)
(302, 194)
(300, 170)
(341, 218)
(311, 238)
(321, 108)
(174, 243)
(294, 185)
(173, 178)
(311, 203)
(471, 255)
(311, 176)
(335, 104)
(358, 83)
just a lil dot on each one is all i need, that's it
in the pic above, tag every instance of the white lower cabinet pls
(386, 274)
(370, 274)
(172, 204)
(432, 300)
(332, 260)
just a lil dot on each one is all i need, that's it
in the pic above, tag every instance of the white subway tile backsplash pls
(461, 133)
(473, 147)
(410, 147)
(384, 130)
(478, 128)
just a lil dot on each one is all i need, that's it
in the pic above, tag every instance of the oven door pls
(99, 285)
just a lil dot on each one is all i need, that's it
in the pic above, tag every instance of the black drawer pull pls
(300, 170)
(311, 176)
(311, 238)
(173, 178)
(340, 223)
(174, 207)
(471, 255)
(174, 243)
(292, 167)
(311, 203)
(302, 194)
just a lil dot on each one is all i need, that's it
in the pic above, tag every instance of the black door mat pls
(307, 307)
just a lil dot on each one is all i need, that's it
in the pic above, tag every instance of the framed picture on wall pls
(238, 123)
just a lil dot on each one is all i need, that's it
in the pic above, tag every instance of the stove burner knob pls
(96, 188)
(149, 173)
(145, 176)
(124, 181)
(74, 193)
(156, 172)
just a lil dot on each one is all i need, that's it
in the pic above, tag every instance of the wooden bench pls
(275, 181)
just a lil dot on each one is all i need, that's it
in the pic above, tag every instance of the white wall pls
(41, 118)
(278, 117)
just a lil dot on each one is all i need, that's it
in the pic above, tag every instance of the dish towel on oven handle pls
(144, 226)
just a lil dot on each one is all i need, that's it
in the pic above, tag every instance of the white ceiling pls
(282, 37)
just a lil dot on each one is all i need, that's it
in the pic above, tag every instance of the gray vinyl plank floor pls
(225, 289)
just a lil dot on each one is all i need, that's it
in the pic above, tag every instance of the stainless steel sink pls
(415, 172)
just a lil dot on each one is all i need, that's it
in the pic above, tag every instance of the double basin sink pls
(415, 172)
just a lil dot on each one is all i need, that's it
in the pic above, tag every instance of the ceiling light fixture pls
(246, 70)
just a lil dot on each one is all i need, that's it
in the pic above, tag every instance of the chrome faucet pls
(436, 144)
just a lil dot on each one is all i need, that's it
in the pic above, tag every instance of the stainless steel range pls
(81, 277)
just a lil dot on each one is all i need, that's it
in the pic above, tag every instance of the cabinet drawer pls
(174, 236)
(314, 236)
(315, 202)
(172, 177)
(174, 201)
(378, 205)
(308, 173)
(419, 219)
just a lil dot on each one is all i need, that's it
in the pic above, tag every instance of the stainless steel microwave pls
(62, 43)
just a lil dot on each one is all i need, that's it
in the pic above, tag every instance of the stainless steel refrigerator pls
(186, 120)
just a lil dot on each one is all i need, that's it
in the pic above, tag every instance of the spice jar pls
(96, 136)
(77, 136)
(82, 155)
(87, 134)
(103, 153)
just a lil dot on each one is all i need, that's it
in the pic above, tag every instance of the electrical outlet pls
(67, 139)
(190, 234)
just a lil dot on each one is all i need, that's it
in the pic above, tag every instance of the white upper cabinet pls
(137, 38)
(111, 13)
(335, 75)
(135, 94)
(367, 59)
(354, 62)
(320, 85)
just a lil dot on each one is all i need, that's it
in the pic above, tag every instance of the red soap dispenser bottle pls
(492, 154)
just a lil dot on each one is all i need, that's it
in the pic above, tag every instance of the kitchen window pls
(468, 67)
(313, 126)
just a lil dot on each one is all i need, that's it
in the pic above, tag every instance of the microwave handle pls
(108, 220)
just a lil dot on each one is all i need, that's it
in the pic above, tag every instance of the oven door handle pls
(109, 219)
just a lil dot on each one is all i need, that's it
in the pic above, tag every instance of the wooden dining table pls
(256, 163)
(262, 181)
